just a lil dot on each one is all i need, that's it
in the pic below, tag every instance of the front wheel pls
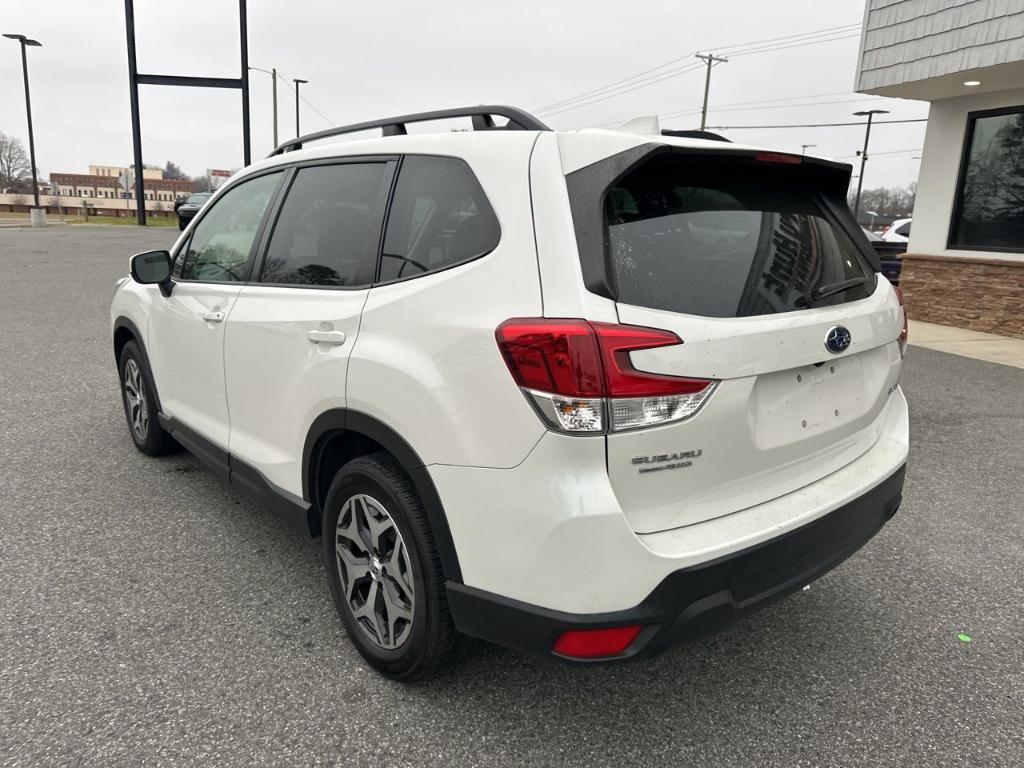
(140, 405)
(384, 571)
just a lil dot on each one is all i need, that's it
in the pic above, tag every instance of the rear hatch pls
(755, 263)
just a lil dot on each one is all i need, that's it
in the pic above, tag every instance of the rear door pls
(292, 328)
(754, 262)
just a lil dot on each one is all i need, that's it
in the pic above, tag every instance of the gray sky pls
(372, 60)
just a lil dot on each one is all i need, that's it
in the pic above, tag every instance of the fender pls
(128, 325)
(347, 420)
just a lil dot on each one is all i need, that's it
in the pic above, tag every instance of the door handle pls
(335, 338)
(213, 317)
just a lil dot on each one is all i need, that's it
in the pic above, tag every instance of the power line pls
(625, 89)
(652, 75)
(811, 125)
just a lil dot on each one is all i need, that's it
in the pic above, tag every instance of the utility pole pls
(36, 217)
(869, 113)
(805, 147)
(273, 77)
(710, 59)
(297, 82)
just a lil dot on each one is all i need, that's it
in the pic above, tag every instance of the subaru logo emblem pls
(837, 339)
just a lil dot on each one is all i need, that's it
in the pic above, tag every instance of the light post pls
(273, 77)
(869, 113)
(38, 216)
(297, 82)
(872, 214)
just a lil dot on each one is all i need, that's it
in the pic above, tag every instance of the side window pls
(904, 230)
(439, 217)
(329, 227)
(219, 249)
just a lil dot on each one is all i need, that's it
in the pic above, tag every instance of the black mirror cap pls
(151, 267)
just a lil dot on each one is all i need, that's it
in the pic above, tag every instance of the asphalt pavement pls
(150, 615)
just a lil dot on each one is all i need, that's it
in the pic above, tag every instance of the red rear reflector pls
(595, 643)
(778, 158)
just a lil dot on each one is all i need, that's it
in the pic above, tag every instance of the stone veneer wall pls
(979, 294)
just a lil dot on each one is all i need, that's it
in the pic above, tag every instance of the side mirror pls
(152, 268)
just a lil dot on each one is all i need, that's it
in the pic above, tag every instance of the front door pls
(186, 329)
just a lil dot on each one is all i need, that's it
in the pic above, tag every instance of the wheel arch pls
(124, 331)
(341, 434)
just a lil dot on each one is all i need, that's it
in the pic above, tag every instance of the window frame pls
(961, 180)
(391, 164)
(387, 219)
(257, 240)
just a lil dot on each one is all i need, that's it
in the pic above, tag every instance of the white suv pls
(579, 393)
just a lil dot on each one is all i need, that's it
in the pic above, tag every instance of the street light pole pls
(273, 77)
(37, 218)
(297, 82)
(869, 113)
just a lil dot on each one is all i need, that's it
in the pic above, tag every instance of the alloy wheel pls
(376, 574)
(135, 394)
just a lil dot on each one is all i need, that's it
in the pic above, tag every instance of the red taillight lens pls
(579, 373)
(778, 158)
(556, 356)
(595, 643)
(903, 333)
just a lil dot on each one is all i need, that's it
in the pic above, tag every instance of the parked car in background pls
(890, 255)
(897, 232)
(188, 209)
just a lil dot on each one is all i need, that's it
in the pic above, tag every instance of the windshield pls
(198, 198)
(727, 242)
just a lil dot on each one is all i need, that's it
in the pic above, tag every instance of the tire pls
(140, 406)
(397, 647)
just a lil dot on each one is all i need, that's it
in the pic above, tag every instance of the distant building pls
(102, 182)
(965, 261)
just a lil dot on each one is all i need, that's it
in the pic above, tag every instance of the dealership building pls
(965, 260)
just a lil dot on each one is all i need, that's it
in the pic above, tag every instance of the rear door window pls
(725, 242)
(439, 217)
(328, 231)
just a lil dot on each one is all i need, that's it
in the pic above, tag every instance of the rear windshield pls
(729, 241)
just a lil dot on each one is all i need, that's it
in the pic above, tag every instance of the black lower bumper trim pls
(694, 601)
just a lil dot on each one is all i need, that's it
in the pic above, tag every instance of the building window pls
(988, 212)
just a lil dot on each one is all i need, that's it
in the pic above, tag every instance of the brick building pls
(965, 260)
(102, 182)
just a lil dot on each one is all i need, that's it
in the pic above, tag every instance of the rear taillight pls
(903, 311)
(580, 377)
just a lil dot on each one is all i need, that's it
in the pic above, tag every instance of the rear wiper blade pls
(824, 291)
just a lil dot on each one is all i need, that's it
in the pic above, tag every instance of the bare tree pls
(14, 164)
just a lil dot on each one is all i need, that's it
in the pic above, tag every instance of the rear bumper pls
(697, 600)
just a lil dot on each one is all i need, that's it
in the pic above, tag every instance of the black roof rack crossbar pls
(395, 126)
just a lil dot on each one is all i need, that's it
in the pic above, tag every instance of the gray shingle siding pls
(908, 40)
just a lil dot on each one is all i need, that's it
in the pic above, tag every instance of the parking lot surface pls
(150, 615)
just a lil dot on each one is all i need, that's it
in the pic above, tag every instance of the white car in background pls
(582, 393)
(897, 232)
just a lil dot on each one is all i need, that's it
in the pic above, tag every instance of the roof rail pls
(695, 135)
(395, 126)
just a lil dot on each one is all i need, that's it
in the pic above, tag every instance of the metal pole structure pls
(133, 82)
(869, 113)
(710, 59)
(244, 76)
(805, 147)
(297, 82)
(273, 75)
(24, 42)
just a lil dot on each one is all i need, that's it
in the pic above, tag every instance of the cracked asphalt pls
(149, 615)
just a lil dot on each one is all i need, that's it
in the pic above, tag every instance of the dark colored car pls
(890, 255)
(188, 209)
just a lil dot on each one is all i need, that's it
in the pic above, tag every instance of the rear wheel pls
(140, 405)
(384, 571)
